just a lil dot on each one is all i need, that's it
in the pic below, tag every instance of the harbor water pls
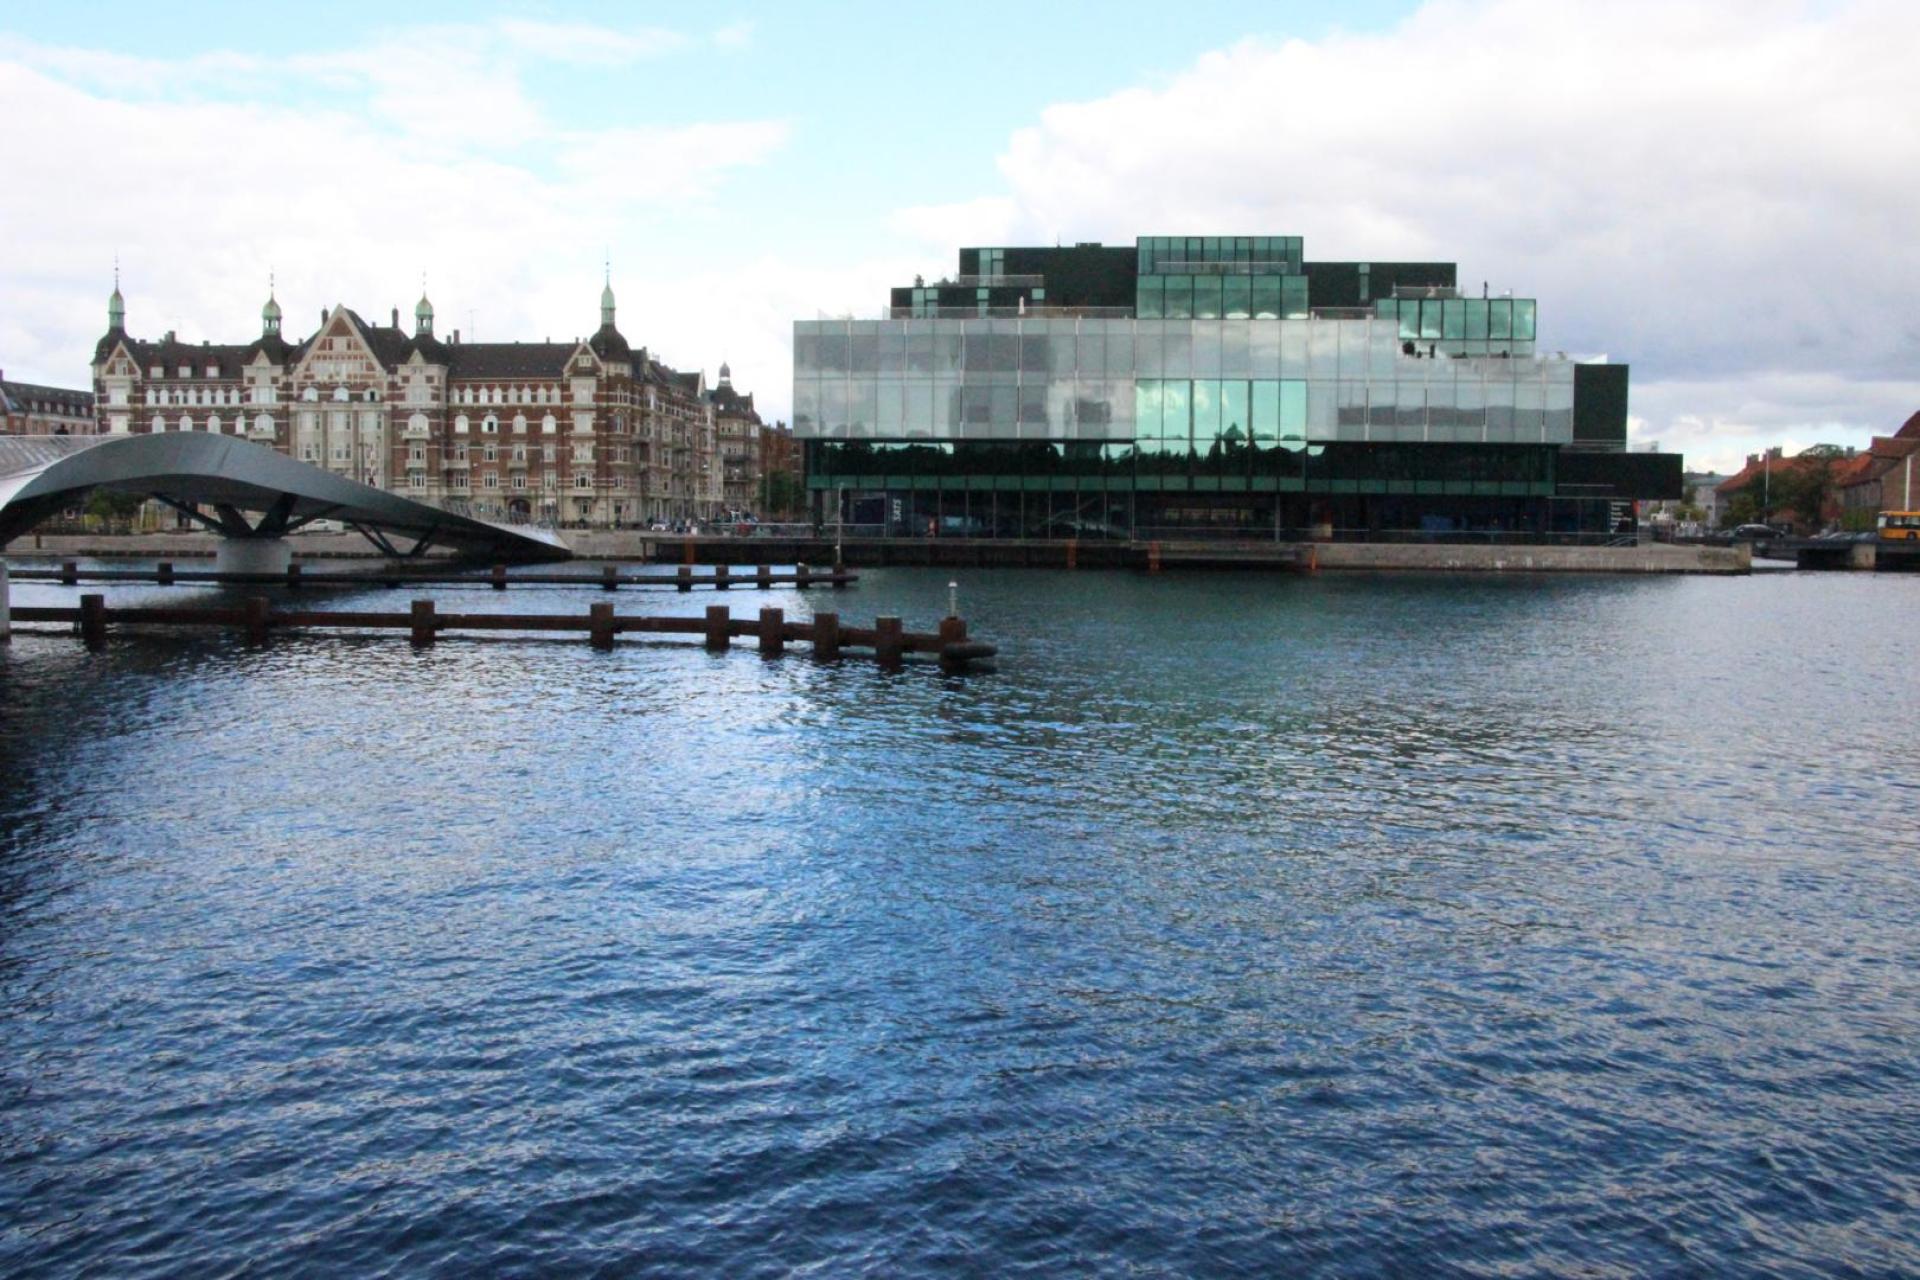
(1235, 924)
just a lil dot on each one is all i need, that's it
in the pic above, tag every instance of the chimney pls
(396, 317)
(456, 336)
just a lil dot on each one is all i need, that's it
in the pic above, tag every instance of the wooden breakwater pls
(256, 619)
(610, 578)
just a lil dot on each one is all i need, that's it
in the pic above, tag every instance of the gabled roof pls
(31, 397)
(731, 403)
(227, 358)
(509, 359)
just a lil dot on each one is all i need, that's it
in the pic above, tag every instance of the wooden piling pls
(839, 575)
(888, 641)
(1153, 557)
(953, 631)
(422, 623)
(826, 636)
(722, 577)
(763, 577)
(256, 610)
(772, 632)
(6, 608)
(1073, 553)
(293, 575)
(600, 626)
(164, 573)
(69, 574)
(609, 577)
(802, 579)
(687, 553)
(719, 627)
(93, 621)
(499, 577)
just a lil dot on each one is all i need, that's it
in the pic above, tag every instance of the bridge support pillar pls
(6, 610)
(253, 555)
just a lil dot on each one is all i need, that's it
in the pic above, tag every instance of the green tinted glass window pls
(1266, 297)
(1174, 407)
(1454, 325)
(1179, 297)
(1150, 299)
(1430, 319)
(1500, 318)
(1293, 409)
(1235, 423)
(1146, 406)
(1476, 318)
(1293, 297)
(1206, 297)
(1206, 410)
(1264, 409)
(1523, 319)
(1236, 301)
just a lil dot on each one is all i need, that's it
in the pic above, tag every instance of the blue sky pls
(1636, 165)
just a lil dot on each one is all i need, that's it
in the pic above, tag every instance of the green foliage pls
(780, 494)
(114, 510)
(1806, 489)
(1742, 508)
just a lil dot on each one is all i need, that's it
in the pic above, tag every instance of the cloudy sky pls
(1724, 193)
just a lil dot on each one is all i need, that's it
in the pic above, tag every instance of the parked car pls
(1755, 531)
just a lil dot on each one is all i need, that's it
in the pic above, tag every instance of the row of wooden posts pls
(609, 578)
(257, 619)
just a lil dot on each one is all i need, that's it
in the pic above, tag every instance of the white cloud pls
(348, 173)
(734, 35)
(1720, 192)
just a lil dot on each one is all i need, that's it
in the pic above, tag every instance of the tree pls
(1807, 486)
(1742, 508)
(780, 493)
(114, 510)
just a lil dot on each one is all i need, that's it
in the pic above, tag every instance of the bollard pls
(802, 579)
(826, 636)
(6, 610)
(887, 642)
(763, 577)
(499, 577)
(93, 621)
(1153, 557)
(722, 577)
(69, 573)
(772, 632)
(422, 623)
(609, 577)
(255, 611)
(952, 631)
(600, 626)
(686, 578)
(1073, 553)
(687, 554)
(293, 576)
(165, 576)
(719, 619)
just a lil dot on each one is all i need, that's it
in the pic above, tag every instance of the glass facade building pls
(1205, 383)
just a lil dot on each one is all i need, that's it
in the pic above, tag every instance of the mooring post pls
(722, 577)
(165, 576)
(1073, 553)
(600, 626)
(256, 610)
(772, 632)
(801, 577)
(719, 620)
(826, 636)
(69, 573)
(952, 631)
(6, 610)
(686, 578)
(93, 621)
(422, 623)
(839, 574)
(293, 575)
(763, 577)
(887, 641)
(499, 577)
(609, 577)
(1153, 557)
(686, 556)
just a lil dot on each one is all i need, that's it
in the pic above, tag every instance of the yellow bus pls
(1898, 526)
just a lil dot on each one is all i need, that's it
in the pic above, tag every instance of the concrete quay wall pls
(1653, 557)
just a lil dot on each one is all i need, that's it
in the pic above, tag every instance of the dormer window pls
(156, 372)
(340, 394)
(310, 394)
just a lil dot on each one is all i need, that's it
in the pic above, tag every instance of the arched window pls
(311, 393)
(263, 423)
(159, 423)
(186, 423)
(373, 395)
(460, 425)
(549, 425)
(489, 424)
(213, 423)
(340, 393)
(519, 424)
(418, 422)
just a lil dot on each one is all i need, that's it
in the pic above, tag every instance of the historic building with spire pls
(590, 432)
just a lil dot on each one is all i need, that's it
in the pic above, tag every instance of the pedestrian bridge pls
(245, 492)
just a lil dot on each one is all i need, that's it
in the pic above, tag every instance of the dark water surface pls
(1247, 925)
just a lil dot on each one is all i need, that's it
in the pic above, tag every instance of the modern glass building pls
(1210, 384)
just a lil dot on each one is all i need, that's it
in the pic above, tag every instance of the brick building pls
(738, 428)
(27, 409)
(588, 432)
